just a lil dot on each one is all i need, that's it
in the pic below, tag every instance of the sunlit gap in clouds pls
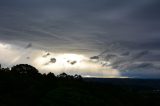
(8, 53)
(45, 62)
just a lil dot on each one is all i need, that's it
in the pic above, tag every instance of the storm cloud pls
(122, 32)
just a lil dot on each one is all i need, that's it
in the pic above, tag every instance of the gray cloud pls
(46, 55)
(73, 62)
(140, 54)
(107, 27)
(125, 53)
(63, 22)
(27, 57)
(141, 65)
(94, 57)
(52, 60)
(125, 62)
(29, 46)
(110, 57)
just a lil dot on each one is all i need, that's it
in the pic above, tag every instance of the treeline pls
(23, 85)
(25, 70)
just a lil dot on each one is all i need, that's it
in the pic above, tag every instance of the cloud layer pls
(123, 34)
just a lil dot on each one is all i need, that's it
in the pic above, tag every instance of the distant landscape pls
(23, 85)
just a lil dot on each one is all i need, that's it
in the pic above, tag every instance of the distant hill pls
(130, 82)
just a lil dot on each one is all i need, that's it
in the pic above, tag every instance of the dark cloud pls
(140, 54)
(94, 57)
(46, 55)
(125, 62)
(72, 62)
(142, 65)
(152, 44)
(125, 53)
(113, 47)
(57, 23)
(52, 60)
(149, 12)
(110, 57)
(29, 46)
(118, 63)
(27, 57)
(115, 27)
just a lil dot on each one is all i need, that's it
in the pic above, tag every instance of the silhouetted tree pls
(62, 75)
(78, 77)
(65, 76)
(25, 69)
(5, 69)
(50, 76)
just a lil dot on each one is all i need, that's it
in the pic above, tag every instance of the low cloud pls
(52, 60)
(94, 57)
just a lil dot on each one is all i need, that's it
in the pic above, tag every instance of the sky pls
(94, 38)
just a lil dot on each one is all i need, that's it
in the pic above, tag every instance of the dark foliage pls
(23, 85)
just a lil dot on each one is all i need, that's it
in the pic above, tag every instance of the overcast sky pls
(125, 33)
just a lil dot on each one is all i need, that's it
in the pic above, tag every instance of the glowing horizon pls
(83, 65)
